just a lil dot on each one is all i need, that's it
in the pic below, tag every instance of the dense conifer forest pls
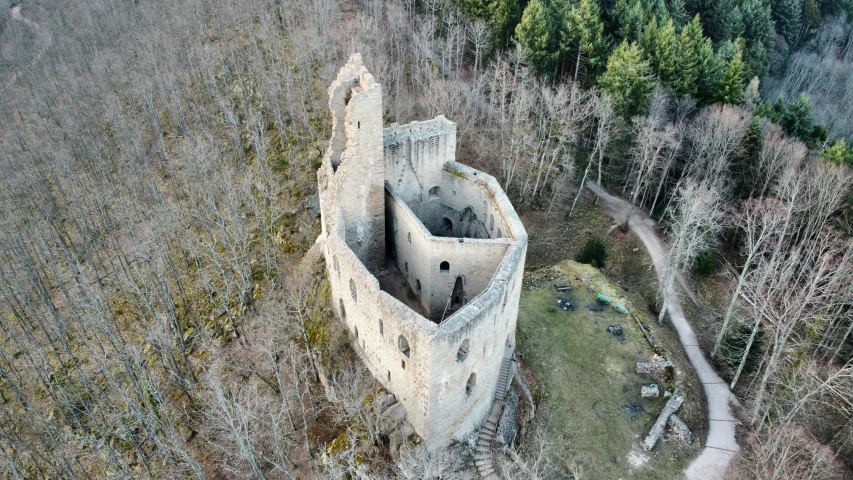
(162, 315)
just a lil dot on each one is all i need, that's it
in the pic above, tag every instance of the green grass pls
(588, 376)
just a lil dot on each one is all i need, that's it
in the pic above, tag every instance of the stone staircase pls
(486, 437)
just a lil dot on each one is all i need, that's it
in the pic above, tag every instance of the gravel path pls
(721, 445)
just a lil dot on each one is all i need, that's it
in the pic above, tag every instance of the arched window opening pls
(389, 375)
(403, 346)
(434, 194)
(407, 267)
(352, 290)
(491, 222)
(337, 265)
(509, 340)
(418, 285)
(343, 310)
(463, 351)
(444, 268)
(355, 332)
(472, 380)
(458, 296)
(410, 237)
(403, 364)
(381, 327)
(447, 227)
(500, 234)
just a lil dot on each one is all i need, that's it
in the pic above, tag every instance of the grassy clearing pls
(588, 375)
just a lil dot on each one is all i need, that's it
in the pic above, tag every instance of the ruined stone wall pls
(414, 154)
(411, 246)
(376, 321)
(488, 322)
(420, 255)
(427, 373)
(359, 166)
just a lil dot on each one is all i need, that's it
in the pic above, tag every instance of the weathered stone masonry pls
(425, 259)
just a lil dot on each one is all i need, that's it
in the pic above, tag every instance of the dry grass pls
(588, 377)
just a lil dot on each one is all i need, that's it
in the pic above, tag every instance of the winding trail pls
(46, 41)
(721, 445)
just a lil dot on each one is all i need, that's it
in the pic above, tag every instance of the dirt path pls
(721, 445)
(45, 39)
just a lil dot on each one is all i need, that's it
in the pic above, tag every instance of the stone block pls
(658, 370)
(650, 390)
(679, 429)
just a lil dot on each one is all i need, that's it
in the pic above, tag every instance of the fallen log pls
(671, 407)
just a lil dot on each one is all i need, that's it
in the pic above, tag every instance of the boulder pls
(650, 390)
(387, 400)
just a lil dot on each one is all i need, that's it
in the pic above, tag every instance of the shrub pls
(706, 262)
(593, 253)
(734, 343)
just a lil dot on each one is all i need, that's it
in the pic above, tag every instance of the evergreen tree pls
(475, 8)
(665, 59)
(535, 33)
(836, 7)
(586, 35)
(628, 79)
(648, 37)
(758, 33)
(689, 43)
(710, 72)
(630, 19)
(743, 167)
(725, 22)
(502, 19)
(838, 153)
(797, 119)
(757, 22)
(731, 85)
(678, 12)
(788, 17)
(811, 14)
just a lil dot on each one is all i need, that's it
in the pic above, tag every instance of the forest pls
(160, 312)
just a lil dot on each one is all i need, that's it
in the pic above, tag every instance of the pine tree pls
(586, 35)
(710, 72)
(648, 38)
(665, 60)
(758, 33)
(475, 8)
(678, 12)
(731, 85)
(725, 22)
(628, 79)
(689, 43)
(744, 165)
(797, 119)
(502, 19)
(838, 153)
(757, 22)
(788, 17)
(631, 19)
(536, 34)
(811, 14)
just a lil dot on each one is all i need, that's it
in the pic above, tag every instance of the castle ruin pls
(425, 257)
